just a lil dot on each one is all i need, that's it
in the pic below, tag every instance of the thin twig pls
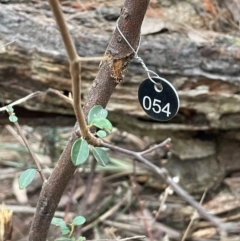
(194, 216)
(140, 203)
(57, 92)
(83, 206)
(15, 134)
(31, 210)
(70, 196)
(17, 102)
(35, 158)
(163, 173)
(90, 59)
(74, 70)
(162, 144)
(107, 214)
(124, 239)
(167, 191)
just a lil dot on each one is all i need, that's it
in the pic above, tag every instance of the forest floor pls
(123, 200)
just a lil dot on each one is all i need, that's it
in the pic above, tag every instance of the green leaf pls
(103, 124)
(79, 152)
(73, 238)
(101, 134)
(62, 239)
(58, 221)
(79, 220)
(101, 156)
(64, 229)
(10, 109)
(97, 112)
(13, 118)
(81, 238)
(62, 225)
(26, 178)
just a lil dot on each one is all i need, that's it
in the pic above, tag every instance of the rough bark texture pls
(203, 65)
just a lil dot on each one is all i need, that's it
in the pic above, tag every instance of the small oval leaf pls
(79, 152)
(64, 229)
(79, 220)
(97, 112)
(103, 124)
(10, 109)
(26, 178)
(101, 134)
(81, 238)
(101, 156)
(13, 118)
(58, 221)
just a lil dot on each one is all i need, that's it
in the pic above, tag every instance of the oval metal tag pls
(160, 101)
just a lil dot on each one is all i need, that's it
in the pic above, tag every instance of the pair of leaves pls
(12, 116)
(97, 117)
(80, 153)
(79, 220)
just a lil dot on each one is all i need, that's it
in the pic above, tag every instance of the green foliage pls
(11, 113)
(98, 117)
(26, 178)
(58, 221)
(64, 229)
(63, 226)
(81, 238)
(10, 109)
(102, 124)
(79, 152)
(97, 112)
(101, 134)
(13, 118)
(80, 149)
(101, 156)
(79, 220)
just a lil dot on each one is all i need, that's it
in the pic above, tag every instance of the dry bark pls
(202, 64)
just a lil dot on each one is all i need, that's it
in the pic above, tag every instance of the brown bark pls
(100, 93)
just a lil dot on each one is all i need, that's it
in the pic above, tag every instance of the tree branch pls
(74, 61)
(117, 57)
(163, 173)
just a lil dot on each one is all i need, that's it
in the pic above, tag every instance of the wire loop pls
(151, 74)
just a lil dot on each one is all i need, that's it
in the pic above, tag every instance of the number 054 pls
(155, 106)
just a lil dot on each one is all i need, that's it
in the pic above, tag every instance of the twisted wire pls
(139, 59)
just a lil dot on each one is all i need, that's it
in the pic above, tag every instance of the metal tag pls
(160, 101)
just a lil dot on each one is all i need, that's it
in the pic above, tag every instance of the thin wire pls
(149, 72)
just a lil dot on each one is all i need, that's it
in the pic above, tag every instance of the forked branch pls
(74, 70)
(117, 57)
